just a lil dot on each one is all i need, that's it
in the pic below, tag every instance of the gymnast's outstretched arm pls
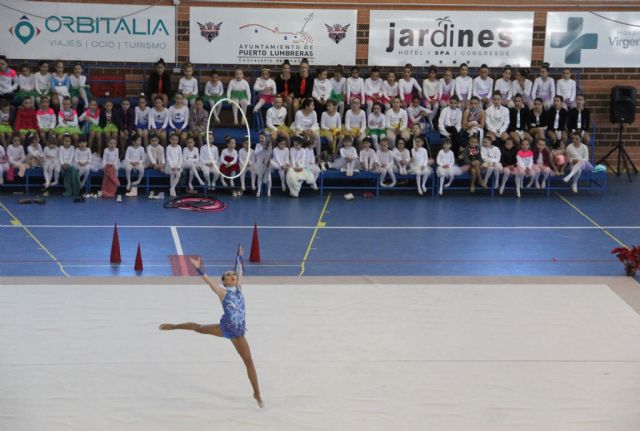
(239, 273)
(221, 292)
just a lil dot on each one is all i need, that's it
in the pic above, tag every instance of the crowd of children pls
(492, 130)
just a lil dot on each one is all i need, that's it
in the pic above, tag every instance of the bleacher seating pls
(328, 180)
(104, 76)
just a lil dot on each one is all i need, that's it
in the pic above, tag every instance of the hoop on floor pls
(196, 203)
(246, 123)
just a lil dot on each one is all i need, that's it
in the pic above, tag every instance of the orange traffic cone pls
(115, 246)
(138, 266)
(254, 256)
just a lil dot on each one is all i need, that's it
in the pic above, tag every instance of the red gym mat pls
(181, 266)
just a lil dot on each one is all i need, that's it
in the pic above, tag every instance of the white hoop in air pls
(246, 122)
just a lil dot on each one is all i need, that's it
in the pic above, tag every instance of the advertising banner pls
(269, 36)
(82, 31)
(449, 38)
(593, 39)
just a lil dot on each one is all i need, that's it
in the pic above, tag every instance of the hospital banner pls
(270, 36)
(449, 38)
(83, 31)
(593, 39)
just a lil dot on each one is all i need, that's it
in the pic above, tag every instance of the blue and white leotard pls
(232, 321)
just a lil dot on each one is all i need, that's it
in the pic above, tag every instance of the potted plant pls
(630, 258)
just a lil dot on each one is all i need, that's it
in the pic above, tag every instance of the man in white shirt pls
(496, 118)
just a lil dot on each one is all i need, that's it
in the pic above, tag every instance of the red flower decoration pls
(630, 258)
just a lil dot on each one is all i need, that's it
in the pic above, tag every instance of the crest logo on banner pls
(24, 30)
(574, 40)
(210, 30)
(337, 32)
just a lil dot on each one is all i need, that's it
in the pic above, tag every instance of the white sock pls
(505, 178)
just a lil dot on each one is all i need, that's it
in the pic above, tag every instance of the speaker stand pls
(623, 157)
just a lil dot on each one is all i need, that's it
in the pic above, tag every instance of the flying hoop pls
(246, 122)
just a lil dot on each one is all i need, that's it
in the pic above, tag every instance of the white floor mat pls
(329, 357)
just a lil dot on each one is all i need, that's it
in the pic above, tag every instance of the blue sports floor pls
(395, 234)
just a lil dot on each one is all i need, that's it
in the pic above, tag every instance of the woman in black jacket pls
(303, 85)
(125, 118)
(159, 83)
(579, 120)
(285, 87)
(304, 82)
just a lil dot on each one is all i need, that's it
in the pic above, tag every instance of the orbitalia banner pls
(83, 31)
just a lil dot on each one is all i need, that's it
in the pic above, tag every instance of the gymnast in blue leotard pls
(232, 323)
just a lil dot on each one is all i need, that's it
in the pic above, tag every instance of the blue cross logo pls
(575, 41)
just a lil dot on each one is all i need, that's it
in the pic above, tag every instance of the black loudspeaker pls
(623, 105)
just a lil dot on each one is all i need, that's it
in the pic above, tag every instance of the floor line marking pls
(51, 226)
(165, 265)
(319, 225)
(333, 361)
(183, 267)
(582, 213)
(335, 261)
(176, 240)
(16, 222)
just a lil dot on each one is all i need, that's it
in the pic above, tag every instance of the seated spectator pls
(159, 83)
